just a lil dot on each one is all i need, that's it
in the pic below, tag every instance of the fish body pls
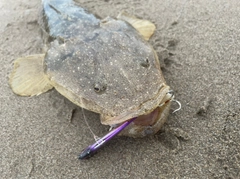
(103, 65)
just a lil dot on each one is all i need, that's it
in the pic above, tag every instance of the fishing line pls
(96, 138)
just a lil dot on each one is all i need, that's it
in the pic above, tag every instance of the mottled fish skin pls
(102, 65)
(63, 19)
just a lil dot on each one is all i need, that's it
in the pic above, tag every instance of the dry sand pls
(42, 136)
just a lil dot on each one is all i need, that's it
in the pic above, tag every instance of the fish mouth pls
(151, 118)
(150, 123)
(147, 108)
(148, 119)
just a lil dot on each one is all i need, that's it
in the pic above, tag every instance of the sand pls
(198, 42)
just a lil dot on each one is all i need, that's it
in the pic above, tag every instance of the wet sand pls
(198, 44)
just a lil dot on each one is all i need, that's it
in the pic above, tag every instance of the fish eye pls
(98, 88)
(145, 63)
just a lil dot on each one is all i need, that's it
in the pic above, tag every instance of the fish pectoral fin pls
(28, 78)
(144, 27)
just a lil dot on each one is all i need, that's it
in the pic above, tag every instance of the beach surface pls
(198, 43)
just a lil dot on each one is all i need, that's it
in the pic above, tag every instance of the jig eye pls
(145, 63)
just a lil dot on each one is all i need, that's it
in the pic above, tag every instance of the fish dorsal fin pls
(144, 27)
(27, 77)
